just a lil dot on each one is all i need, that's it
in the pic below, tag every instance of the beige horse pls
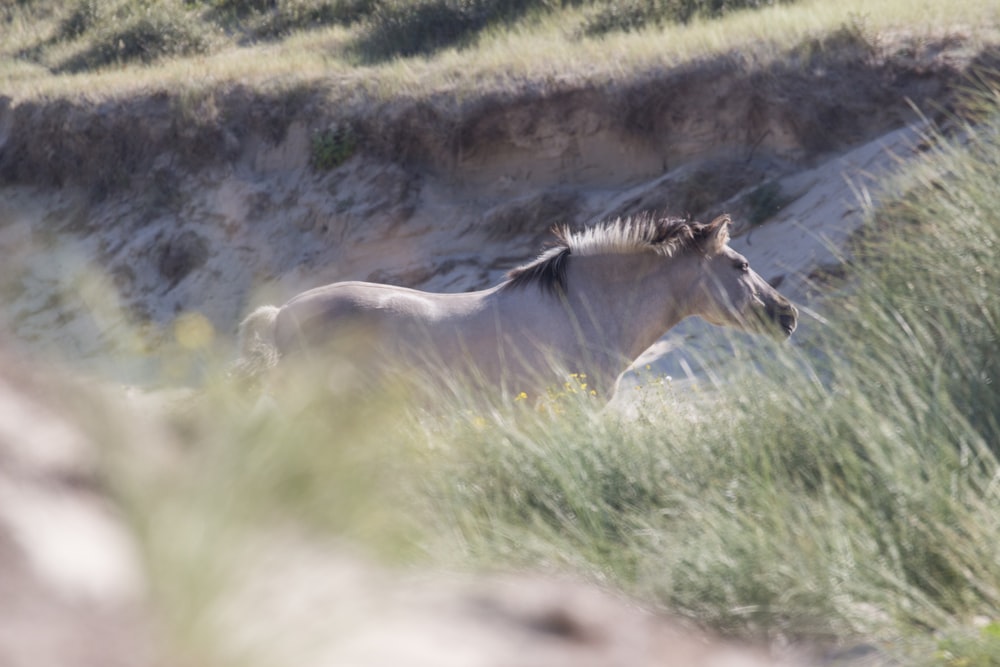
(589, 305)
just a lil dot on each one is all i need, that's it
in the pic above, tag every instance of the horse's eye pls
(743, 266)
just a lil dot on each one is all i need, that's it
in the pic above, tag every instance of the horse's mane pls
(665, 236)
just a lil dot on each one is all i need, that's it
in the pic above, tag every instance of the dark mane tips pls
(671, 230)
(548, 271)
(671, 235)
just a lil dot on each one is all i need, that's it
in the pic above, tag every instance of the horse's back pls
(372, 312)
(371, 331)
(494, 337)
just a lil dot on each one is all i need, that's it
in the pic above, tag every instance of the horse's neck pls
(628, 301)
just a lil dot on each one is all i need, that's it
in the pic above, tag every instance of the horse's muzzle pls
(787, 317)
(782, 317)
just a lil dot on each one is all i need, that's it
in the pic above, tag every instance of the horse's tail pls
(257, 347)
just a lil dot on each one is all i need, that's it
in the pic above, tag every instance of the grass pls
(857, 499)
(50, 49)
(839, 492)
(331, 147)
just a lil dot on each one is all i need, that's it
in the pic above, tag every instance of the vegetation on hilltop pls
(118, 31)
(758, 83)
(86, 35)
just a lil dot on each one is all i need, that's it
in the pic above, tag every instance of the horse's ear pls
(716, 234)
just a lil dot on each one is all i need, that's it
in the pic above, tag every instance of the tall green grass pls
(847, 489)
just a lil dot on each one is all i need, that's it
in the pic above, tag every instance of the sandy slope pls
(118, 216)
(104, 282)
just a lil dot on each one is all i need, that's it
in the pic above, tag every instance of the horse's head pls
(730, 293)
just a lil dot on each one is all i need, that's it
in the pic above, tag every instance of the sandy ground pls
(71, 580)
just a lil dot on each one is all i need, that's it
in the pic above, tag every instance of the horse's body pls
(590, 305)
